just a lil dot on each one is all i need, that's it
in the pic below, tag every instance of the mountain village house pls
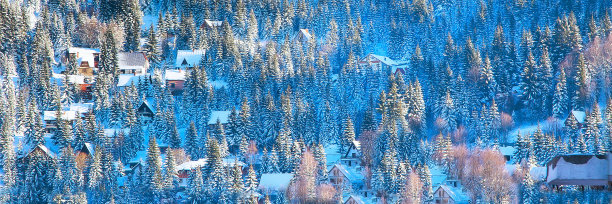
(134, 63)
(50, 119)
(580, 170)
(384, 64)
(210, 24)
(87, 59)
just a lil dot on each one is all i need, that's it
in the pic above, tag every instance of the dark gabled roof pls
(147, 104)
(574, 159)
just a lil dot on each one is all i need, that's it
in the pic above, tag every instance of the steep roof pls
(455, 193)
(132, 60)
(580, 116)
(386, 60)
(84, 55)
(211, 23)
(188, 58)
(355, 198)
(351, 174)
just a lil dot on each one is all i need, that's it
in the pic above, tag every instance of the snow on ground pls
(523, 130)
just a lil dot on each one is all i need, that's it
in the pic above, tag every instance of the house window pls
(354, 155)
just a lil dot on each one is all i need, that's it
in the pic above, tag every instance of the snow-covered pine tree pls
(196, 188)
(153, 171)
(560, 99)
(171, 179)
(237, 186)
(348, 135)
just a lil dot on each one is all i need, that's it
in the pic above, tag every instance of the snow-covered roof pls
(81, 108)
(578, 169)
(275, 182)
(355, 198)
(222, 116)
(303, 35)
(128, 80)
(191, 165)
(579, 115)
(132, 60)
(148, 103)
(211, 23)
(385, 60)
(188, 58)
(351, 174)
(66, 115)
(507, 150)
(455, 193)
(174, 75)
(74, 79)
(30, 149)
(227, 162)
(84, 55)
(90, 147)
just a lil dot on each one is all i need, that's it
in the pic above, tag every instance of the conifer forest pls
(306, 101)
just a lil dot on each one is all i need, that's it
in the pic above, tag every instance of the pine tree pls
(237, 186)
(528, 189)
(348, 135)
(560, 99)
(132, 26)
(151, 48)
(192, 142)
(153, 171)
(196, 188)
(250, 182)
(582, 78)
(171, 179)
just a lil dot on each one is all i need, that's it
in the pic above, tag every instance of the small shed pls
(146, 111)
